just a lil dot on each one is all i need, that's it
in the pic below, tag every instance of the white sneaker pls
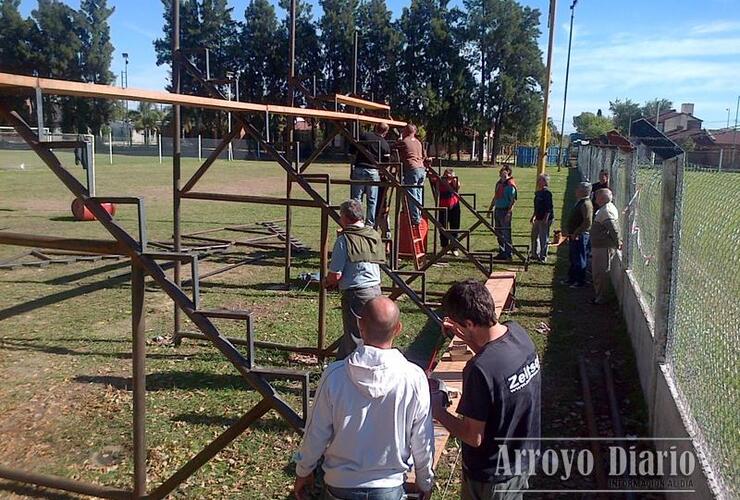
(456, 253)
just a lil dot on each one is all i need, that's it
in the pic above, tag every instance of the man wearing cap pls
(354, 269)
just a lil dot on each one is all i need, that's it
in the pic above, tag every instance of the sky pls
(682, 50)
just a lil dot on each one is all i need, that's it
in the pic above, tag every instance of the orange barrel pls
(80, 211)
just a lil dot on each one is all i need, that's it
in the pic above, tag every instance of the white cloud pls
(716, 27)
(697, 65)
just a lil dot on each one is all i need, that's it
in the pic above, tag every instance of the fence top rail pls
(65, 87)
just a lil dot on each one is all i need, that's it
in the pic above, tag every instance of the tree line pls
(623, 114)
(451, 70)
(57, 41)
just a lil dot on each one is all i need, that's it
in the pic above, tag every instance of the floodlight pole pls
(176, 154)
(565, 93)
(291, 137)
(734, 133)
(548, 74)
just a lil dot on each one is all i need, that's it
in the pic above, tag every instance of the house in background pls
(711, 148)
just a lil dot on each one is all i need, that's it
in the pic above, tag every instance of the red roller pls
(80, 211)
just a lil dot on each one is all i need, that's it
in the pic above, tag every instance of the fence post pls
(630, 188)
(719, 168)
(110, 147)
(200, 148)
(159, 146)
(670, 235)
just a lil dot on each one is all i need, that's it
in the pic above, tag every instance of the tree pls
(261, 48)
(147, 118)
(650, 108)
(337, 37)
(56, 40)
(96, 55)
(592, 125)
(16, 53)
(204, 24)
(379, 45)
(624, 113)
(504, 45)
(308, 56)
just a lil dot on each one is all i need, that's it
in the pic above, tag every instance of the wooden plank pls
(244, 198)
(500, 285)
(108, 247)
(65, 87)
(361, 103)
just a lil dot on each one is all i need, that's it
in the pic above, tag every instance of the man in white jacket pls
(370, 419)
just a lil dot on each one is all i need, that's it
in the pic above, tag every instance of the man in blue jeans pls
(364, 168)
(504, 198)
(577, 230)
(370, 419)
(411, 151)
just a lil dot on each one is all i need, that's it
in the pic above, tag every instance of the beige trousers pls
(601, 264)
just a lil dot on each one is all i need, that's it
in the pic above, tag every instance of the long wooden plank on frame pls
(361, 103)
(65, 87)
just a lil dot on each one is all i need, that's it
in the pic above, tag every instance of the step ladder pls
(417, 242)
(296, 245)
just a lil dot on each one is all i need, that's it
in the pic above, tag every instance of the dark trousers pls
(502, 223)
(513, 489)
(451, 216)
(578, 259)
(353, 301)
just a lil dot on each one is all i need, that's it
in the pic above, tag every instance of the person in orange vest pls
(504, 199)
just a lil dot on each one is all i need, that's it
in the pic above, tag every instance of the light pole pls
(548, 73)
(734, 132)
(124, 84)
(728, 117)
(565, 94)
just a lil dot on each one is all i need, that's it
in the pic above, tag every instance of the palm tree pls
(147, 118)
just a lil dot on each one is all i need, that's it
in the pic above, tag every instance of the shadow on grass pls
(63, 218)
(28, 491)
(21, 344)
(425, 345)
(26, 307)
(184, 380)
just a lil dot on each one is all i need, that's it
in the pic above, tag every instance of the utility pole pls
(548, 74)
(565, 94)
(176, 156)
(728, 117)
(734, 132)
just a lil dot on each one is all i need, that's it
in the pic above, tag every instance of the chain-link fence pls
(703, 347)
(703, 324)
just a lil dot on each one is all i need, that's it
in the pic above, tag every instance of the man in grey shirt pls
(354, 268)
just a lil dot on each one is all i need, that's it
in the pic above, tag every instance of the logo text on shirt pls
(524, 375)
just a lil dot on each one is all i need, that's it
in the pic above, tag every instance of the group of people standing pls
(593, 234)
(371, 418)
(414, 164)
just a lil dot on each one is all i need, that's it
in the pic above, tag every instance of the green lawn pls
(65, 332)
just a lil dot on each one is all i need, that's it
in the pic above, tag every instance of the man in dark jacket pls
(354, 268)
(364, 168)
(577, 231)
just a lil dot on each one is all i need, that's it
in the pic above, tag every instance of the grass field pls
(65, 360)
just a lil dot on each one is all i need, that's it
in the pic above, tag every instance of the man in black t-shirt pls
(498, 417)
(364, 168)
